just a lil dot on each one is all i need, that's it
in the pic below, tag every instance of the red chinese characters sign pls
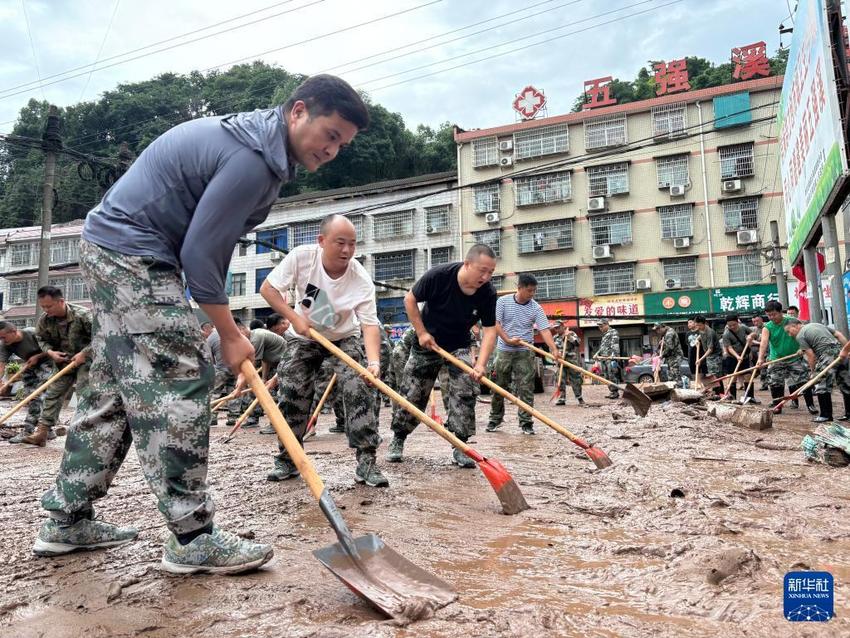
(618, 308)
(750, 61)
(672, 77)
(598, 93)
(528, 102)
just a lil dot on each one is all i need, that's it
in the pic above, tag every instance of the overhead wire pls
(100, 49)
(32, 44)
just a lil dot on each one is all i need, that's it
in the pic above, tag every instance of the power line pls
(32, 44)
(100, 50)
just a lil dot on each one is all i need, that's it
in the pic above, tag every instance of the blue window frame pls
(391, 310)
(277, 236)
(259, 277)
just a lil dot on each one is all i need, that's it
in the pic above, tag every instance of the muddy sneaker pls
(560, 402)
(580, 400)
(53, 540)
(28, 429)
(282, 471)
(367, 472)
(251, 423)
(217, 553)
(337, 429)
(492, 427)
(267, 429)
(461, 459)
(527, 429)
(395, 450)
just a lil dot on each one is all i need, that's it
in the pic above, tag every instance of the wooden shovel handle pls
(284, 433)
(324, 398)
(564, 362)
(811, 382)
(734, 372)
(561, 366)
(68, 368)
(15, 376)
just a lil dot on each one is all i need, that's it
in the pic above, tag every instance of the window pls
(20, 255)
(437, 219)
(391, 310)
(392, 225)
(305, 232)
(732, 110)
(740, 214)
(605, 131)
(486, 198)
(554, 235)
(358, 221)
(237, 284)
(22, 293)
(241, 249)
(555, 284)
(684, 269)
(669, 119)
(736, 161)
(608, 280)
(260, 275)
(743, 268)
(612, 179)
(76, 289)
(397, 265)
(497, 281)
(545, 140)
(276, 236)
(63, 251)
(441, 255)
(543, 189)
(485, 152)
(491, 238)
(672, 171)
(614, 228)
(676, 221)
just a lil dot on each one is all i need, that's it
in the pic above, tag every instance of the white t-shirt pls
(334, 307)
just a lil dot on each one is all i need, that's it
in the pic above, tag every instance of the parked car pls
(642, 372)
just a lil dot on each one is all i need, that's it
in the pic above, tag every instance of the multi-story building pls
(403, 228)
(643, 210)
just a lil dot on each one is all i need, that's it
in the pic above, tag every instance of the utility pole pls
(810, 263)
(778, 269)
(50, 144)
(834, 273)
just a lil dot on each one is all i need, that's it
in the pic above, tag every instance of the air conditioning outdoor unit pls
(681, 242)
(602, 252)
(746, 237)
(275, 255)
(672, 283)
(506, 145)
(731, 186)
(596, 203)
(643, 284)
(492, 218)
(506, 161)
(677, 190)
(430, 230)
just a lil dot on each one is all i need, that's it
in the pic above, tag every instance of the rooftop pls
(374, 188)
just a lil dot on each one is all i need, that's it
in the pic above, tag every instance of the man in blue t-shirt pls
(455, 297)
(516, 317)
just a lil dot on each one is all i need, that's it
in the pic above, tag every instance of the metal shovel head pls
(508, 492)
(638, 400)
(386, 579)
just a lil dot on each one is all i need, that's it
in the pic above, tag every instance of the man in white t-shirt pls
(335, 296)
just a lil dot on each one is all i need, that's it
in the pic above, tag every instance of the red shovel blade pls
(508, 492)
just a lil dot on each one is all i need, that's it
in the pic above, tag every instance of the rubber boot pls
(846, 416)
(810, 402)
(776, 392)
(825, 403)
(733, 391)
(39, 437)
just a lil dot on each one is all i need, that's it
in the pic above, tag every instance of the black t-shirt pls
(449, 313)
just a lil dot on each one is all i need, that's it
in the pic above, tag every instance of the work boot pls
(461, 459)
(395, 450)
(367, 471)
(282, 471)
(20, 436)
(528, 429)
(339, 428)
(810, 403)
(580, 400)
(230, 422)
(825, 403)
(776, 392)
(561, 401)
(39, 437)
(251, 422)
(846, 416)
(492, 427)
(218, 553)
(613, 395)
(54, 539)
(267, 429)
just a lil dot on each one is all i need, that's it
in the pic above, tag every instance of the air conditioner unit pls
(506, 161)
(275, 255)
(677, 190)
(430, 230)
(643, 284)
(672, 283)
(506, 145)
(17, 302)
(746, 237)
(492, 218)
(596, 203)
(602, 252)
(731, 186)
(681, 242)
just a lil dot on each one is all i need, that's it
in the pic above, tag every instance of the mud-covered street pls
(689, 533)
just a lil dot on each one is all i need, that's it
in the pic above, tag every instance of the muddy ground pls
(600, 553)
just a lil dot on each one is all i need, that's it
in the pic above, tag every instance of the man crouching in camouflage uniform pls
(609, 347)
(563, 335)
(456, 296)
(37, 369)
(336, 297)
(670, 351)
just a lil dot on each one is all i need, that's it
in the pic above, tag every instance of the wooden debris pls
(743, 416)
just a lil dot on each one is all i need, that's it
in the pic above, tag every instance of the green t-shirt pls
(781, 343)
(818, 338)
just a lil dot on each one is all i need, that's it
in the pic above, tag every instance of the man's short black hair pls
(526, 279)
(207, 323)
(5, 325)
(790, 308)
(325, 94)
(479, 249)
(237, 320)
(699, 319)
(773, 306)
(273, 319)
(732, 317)
(49, 291)
(256, 323)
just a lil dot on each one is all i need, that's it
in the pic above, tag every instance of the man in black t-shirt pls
(455, 296)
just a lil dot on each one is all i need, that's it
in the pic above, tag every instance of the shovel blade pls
(508, 492)
(638, 400)
(386, 579)
(599, 458)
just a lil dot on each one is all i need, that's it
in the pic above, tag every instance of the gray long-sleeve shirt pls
(191, 194)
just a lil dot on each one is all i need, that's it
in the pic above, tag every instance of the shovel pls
(311, 424)
(434, 414)
(503, 483)
(557, 393)
(366, 565)
(810, 383)
(34, 394)
(766, 364)
(639, 401)
(599, 458)
(242, 418)
(746, 398)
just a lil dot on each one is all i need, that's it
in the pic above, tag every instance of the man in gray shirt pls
(735, 343)
(37, 369)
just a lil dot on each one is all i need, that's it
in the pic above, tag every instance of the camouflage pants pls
(54, 396)
(223, 385)
(420, 371)
(32, 378)
(516, 367)
(298, 384)
(794, 372)
(674, 366)
(840, 373)
(334, 399)
(611, 371)
(573, 377)
(149, 384)
(713, 365)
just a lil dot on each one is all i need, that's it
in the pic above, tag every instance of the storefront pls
(743, 300)
(625, 312)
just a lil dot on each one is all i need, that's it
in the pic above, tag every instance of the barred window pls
(392, 225)
(672, 171)
(553, 235)
(545, 140)
(611, 179)
(76, 289)
(437, 218)
(684, 269)
(608, 280)
(736, 161)
(486, 198)
(237, 284)
(555, 284)
(605, 131)
(676, 221)
(22, 292)
(740, 214)
(498, 281)
(669, 119)
(396, 265)
(485, 152)
(20, 255)
(543, 189)
(358, 221)
(63, 251)
(613, 228)
(305, 232)
(743, 268)
(441, 255)
(491, 238)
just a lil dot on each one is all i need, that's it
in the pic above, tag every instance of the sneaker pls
(795, 404)
(55, 540)
(230, 422)
(26, 431)
(461, 459)
(217, 553)
(267, 429)
(527, 429)
(367, 472)
(251, 423)
(337, 429)
(560, 402)
(492, 427)
(580, 400)
(395, 450)
(282, 471)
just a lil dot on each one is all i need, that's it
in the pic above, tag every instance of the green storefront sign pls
(742, 299)
(680, 304)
